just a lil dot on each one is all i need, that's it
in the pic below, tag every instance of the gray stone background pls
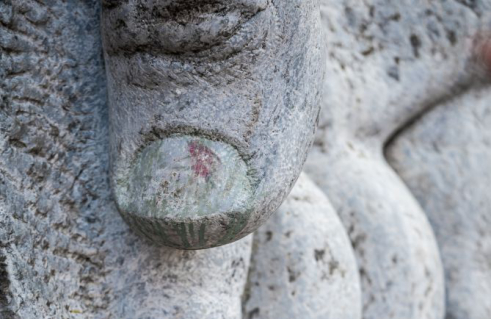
(402, 153)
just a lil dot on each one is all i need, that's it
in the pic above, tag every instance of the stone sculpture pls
(65, 251)
(401, 77)
(388, 64)
(303, 265)
(212, 107)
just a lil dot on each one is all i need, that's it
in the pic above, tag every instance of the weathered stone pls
(213, 107)
(387, 62)
(303, 264)
(399, 264)
(66, 253)
(171, 283)
(445, 160)
(64, 250)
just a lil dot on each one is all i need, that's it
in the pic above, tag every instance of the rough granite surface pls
(65, 252)
(303, 265)
(387, 63)
(445, 158)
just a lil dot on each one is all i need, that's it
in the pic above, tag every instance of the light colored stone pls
(213, 105)
(387, 62)
(163, 282)
(445, 159)
(400, 269)
(303, 264)
(65, 252)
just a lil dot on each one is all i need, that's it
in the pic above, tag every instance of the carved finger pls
(444, 159)
(212, 107)
(303, 265)
(399, 263)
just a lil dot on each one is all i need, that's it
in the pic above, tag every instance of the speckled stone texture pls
(65, 252)
(387, 62)
(445, 160)
(235, 86)
(303, 265)
(205, 284)
(400, 269)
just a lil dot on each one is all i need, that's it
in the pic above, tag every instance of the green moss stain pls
(236, 225)
(180, 229)
(201, 235)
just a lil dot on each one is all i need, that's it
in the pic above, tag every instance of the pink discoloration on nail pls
(486, 54)
(482, 51)
(204, 160)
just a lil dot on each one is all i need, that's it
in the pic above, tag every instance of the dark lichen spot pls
(358, 240)
(368, 51)
(111, 4)
(350, 15)
(393, 72)
(452, 37)
(291, 275)
(333, 265)
(372, 11)
(471, 4)
(254, 313)
(364, 276)
(319, 254)
(120, 260)
(363, 272)
(415, 43)
(5, 294)
(395, 17)
(120, 24)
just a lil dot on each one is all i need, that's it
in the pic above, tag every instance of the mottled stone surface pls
(65, 252)
(161, 282)
(243, 74)
(445, 159)
(400, 269)
(387, 62)
(303, 264)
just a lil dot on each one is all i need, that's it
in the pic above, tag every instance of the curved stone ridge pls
(444, 160)
(303, 264)
(185, 176)
(178, 26)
